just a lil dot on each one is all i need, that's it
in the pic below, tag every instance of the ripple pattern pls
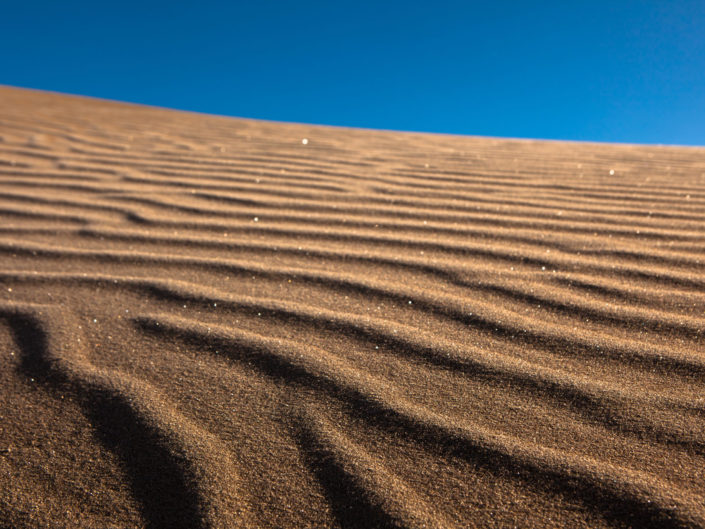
(207, 322)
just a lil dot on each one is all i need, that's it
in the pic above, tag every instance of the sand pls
(209, 322)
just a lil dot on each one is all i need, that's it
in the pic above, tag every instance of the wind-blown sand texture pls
(208, 322)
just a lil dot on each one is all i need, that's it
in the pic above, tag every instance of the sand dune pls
(209, 322)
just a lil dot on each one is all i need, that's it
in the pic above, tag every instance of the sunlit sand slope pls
(209, 322)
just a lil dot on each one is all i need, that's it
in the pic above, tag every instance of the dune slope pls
(209, 322)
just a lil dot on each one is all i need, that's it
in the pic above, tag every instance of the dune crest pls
(214, 322)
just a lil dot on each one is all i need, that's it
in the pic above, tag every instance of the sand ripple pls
(206, 322)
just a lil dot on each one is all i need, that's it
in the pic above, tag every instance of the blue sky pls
(630, 71)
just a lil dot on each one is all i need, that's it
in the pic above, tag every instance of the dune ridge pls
(208, 322)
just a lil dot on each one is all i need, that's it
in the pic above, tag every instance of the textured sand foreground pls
(210, 322)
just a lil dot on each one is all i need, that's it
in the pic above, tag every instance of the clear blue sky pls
(629, 71)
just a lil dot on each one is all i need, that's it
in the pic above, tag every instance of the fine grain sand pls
(209, 322)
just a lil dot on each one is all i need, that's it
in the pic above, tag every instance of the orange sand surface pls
(209, 322)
